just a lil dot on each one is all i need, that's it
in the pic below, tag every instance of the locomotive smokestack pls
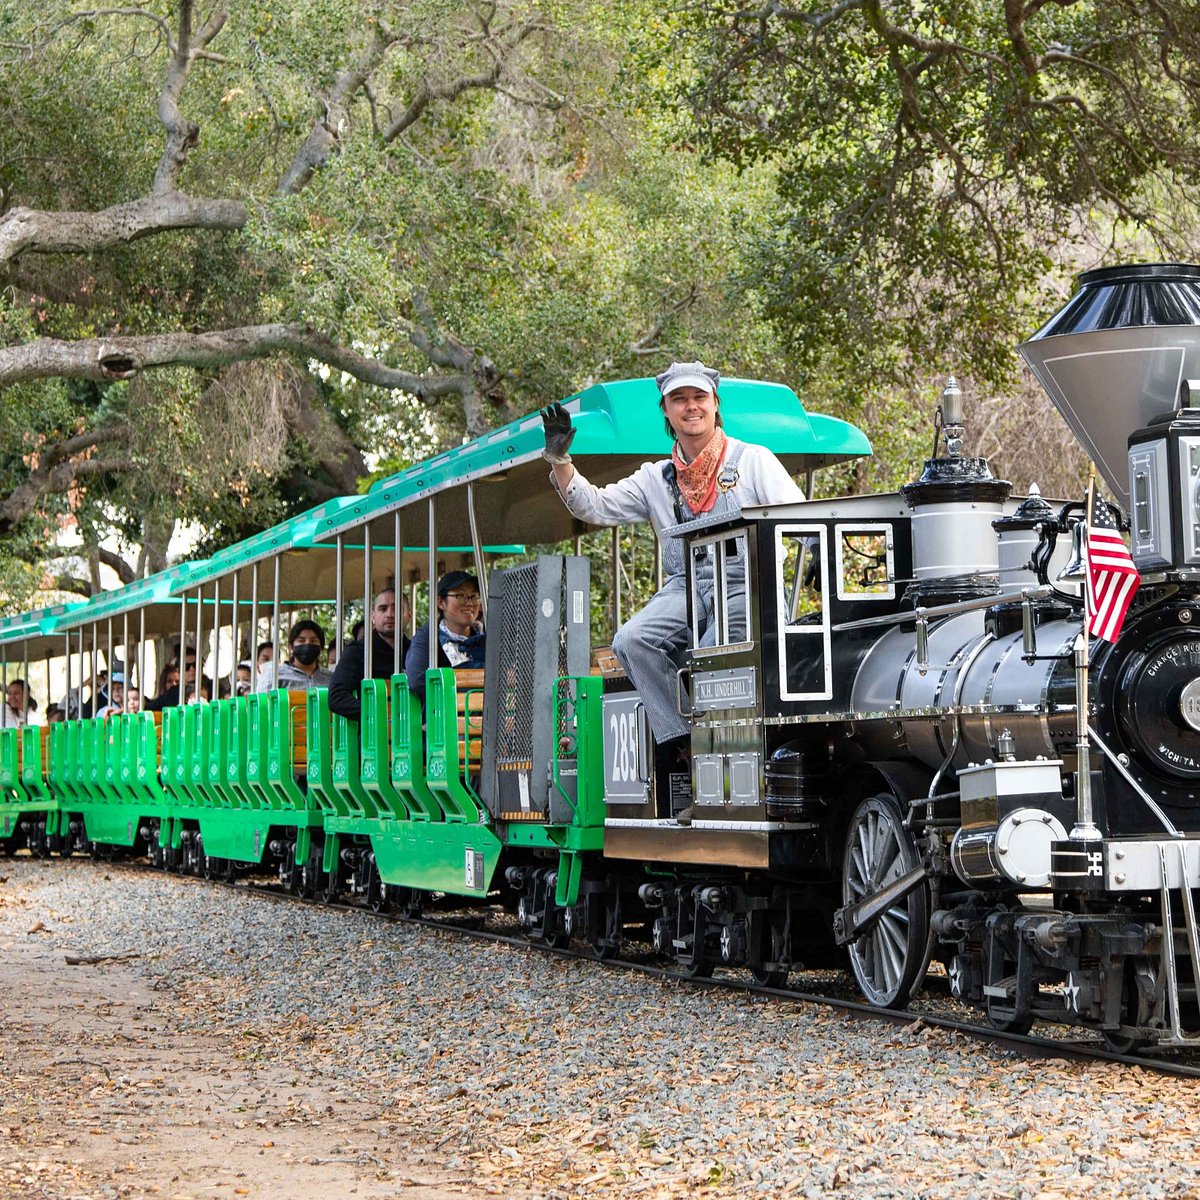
(1118, 356)
(952, 417)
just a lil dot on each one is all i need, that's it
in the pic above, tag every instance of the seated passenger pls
(55, 713)
(133, 700)
(245, 679)
(116, 697)
(264, 653)
(351, 666)
(19, 707)
(168, 696)
(706, 473)
(461, 638)
(306, 641)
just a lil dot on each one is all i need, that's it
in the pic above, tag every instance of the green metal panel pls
(66, 759)
(146, 759)
(257, 738)
(443, 753)
(33, 768)
(281, 767)
(113, 753)
(376, 772)
(95, 745)
(206, 769)
(320, 755)
(239, 834)
(347, 769)
(189, 753)
(217, 762)
(11, 789)
(438, 856)
(408, 753)
(237, 753)
(174, 767)
(60, 783)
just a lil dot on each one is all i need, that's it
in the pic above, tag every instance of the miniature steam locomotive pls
(887, 746)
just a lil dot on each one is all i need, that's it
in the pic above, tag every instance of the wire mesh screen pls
(515, 696)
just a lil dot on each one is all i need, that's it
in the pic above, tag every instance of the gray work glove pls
(559, 434)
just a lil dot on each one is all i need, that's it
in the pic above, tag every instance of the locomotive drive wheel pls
(889, 960)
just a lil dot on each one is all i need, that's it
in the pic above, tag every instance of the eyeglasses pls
(463, 597)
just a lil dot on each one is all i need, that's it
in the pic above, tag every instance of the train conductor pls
(707, 472)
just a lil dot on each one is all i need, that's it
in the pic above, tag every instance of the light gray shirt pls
(292, 678)
(645, 496)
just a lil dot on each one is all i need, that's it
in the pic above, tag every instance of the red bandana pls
(698, 479)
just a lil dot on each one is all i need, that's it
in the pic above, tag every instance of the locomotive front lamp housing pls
(1164, 489)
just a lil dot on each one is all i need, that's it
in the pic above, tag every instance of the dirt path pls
(102, 1095)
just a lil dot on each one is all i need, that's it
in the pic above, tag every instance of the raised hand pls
(556, 422)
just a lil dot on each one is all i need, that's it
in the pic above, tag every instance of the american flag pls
(1112, 579)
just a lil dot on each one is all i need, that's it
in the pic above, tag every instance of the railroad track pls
(472, 926)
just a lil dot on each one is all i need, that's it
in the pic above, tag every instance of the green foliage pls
(937, 162)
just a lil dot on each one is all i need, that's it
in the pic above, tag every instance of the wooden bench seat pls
(298, 715)
(606, 664)
(469, 685)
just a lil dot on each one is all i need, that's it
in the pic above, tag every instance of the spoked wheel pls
(890, 958)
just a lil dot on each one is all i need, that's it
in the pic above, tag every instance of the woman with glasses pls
(461, 639)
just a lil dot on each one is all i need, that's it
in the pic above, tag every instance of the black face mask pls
(306, 653)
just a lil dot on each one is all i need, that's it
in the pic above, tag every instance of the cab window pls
(865, 562)
(720, 592)
(801, 553)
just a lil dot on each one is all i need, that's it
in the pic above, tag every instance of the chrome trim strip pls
(727, 826)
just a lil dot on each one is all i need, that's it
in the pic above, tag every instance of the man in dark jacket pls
(351, 666)
(461, 640)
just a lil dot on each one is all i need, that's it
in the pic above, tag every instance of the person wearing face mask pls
(306, 641)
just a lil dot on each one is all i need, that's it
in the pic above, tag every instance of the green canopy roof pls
(34, 633)
(155, 595)
(619, 426)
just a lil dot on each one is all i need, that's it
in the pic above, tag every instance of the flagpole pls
(1085, 825)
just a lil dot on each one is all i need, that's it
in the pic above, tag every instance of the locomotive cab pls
(765, 682)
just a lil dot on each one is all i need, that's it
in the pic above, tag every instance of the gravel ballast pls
(503, 1071)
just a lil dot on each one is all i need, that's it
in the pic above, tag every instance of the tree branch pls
(498, 47)
(326, 133)
(46, 480)
(116, 563)
(106, 359)
(37, 231)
